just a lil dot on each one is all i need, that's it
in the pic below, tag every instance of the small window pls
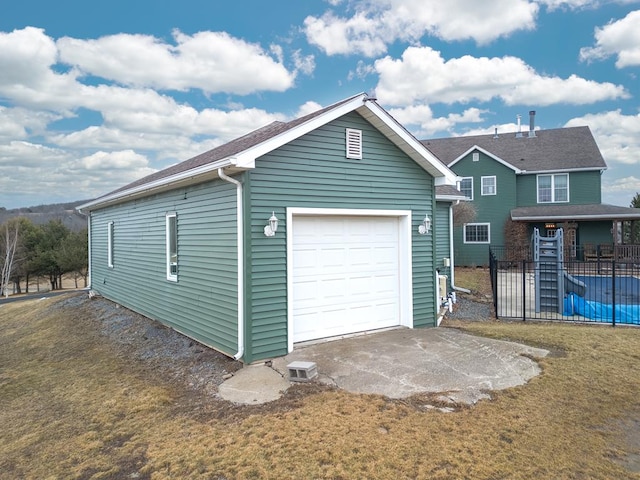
(466, 187)
(553, 188)
(110, 230)
(477, 233)
(172, 247)
(354, 143)
(488, 185)
(475, 157)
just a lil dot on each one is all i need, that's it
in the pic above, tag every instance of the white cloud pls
(422, 75)
(121, 160)
(428, 125)
(620, 38)
(307, 108)
(20, 123)
(209, 61)
(580, 4)
(377, 23)
(304, 63)
(618, 137)
(362, 71)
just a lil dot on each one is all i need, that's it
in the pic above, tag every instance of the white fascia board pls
(409, 144)
(548, 218)
(451, 198)
(192, 174)
(489, 154)
(561, 170)
(247, 158)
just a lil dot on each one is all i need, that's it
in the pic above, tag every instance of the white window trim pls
(464, 233)
(406, 266)
(495, 185)
(553, 187)
(353, 143)
(475, 156)
(171, 276)
(467, 178)
(110, 231)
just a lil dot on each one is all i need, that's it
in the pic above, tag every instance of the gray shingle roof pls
(596, 211)
(449, 191)
(571, 148)
(229, 149)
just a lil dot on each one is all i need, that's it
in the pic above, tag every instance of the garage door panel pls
(345, 275)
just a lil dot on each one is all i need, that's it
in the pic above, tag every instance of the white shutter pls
(354, 143)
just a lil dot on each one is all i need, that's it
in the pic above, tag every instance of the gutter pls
(240, 233)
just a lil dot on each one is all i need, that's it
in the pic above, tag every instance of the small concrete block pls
(302, 371)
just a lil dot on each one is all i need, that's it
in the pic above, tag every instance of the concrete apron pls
(397, 364)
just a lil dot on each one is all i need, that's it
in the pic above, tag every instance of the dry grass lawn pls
(72, 407)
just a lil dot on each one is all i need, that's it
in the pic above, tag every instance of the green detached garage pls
(319, 227)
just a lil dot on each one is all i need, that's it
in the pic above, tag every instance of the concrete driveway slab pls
(403, 362)
(253, 385)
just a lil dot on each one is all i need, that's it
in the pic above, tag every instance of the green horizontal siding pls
(441, 232)
(203, 304)
(491, 209)
(584, 189)
(313, 172)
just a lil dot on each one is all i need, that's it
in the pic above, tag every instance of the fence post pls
(524, 290)
(613, 293)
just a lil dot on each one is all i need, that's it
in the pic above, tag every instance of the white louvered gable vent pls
(354, 143)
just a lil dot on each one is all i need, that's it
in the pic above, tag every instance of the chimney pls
(532, 124)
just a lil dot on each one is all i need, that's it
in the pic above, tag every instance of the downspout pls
(240, 233)
(89, 226)
(453, 286)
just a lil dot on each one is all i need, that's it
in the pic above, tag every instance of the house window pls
(354, 143)
(172, 246)
(488, 185)
(475, 156)
(466, 187)
(110, 244)
(553, 188)
(477, 233)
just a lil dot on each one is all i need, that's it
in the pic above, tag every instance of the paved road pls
(33, 296)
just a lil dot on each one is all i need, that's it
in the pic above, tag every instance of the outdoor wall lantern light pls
(425, 227)
(272, 227)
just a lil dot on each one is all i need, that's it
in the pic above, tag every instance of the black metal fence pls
(602, 290)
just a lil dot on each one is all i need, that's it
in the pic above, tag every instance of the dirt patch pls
(194, 370)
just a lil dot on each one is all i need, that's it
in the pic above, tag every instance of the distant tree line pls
(51, 250)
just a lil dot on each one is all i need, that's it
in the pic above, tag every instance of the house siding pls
(203, 303)
(584, 189)
(492, 209)
(441, 232)
(313, 172)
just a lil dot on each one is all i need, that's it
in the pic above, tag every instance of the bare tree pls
(463, 212)
(10, 235)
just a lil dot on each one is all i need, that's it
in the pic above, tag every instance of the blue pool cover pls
(601, 312)
(598, 302)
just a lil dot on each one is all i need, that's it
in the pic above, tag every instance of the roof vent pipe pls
(495, 134)
(519, 132)
(532, 124)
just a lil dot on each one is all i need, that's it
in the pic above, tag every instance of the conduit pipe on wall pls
(240, 233)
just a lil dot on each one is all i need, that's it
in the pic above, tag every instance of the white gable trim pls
(401, 137)
(489, 154)
(246, 159)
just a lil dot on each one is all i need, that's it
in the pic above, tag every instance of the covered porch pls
(593, 232)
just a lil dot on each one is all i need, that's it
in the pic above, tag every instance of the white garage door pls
(345, 275)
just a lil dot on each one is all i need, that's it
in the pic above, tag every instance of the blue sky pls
(94, 95)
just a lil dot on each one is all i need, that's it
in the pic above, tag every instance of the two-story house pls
(548, 179)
